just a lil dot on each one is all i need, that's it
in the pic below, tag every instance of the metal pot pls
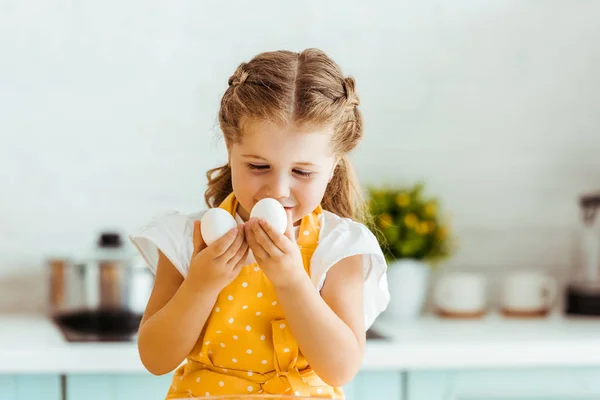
(102, 296)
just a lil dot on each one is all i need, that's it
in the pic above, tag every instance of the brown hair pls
(308, 89)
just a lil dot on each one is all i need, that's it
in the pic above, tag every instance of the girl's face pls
(290, 165)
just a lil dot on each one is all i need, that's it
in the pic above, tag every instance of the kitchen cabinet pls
(367, 385)
(373, 385)
(568, 383)
(117, 387)
(505, 384)
(30, 387)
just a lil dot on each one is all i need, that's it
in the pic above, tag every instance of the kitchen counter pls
(33, 344)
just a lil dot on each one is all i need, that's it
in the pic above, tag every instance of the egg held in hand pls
(215, 223)
(273, 212)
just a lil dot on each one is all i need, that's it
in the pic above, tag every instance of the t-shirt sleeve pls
(348, 238)
(171, 234)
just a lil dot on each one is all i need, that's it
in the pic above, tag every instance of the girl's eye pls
(261, 167)
(304, 173)
(258, 167)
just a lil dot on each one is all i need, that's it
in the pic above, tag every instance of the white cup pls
(528, 291)
(461, 293)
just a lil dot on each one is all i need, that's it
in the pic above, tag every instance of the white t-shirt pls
(338, 238)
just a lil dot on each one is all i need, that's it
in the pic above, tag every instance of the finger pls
(282, 242)
(242, 260)
(264, 240)
(289, 232)
(239, 255)
(197, 240)
(232, 250)
(220, 246)
(257, 249)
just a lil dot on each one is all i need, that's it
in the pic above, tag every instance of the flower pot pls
(408, 281)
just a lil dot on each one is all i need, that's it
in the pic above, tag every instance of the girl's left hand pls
(276, 254)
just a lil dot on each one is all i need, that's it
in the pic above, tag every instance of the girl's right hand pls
(216, 266)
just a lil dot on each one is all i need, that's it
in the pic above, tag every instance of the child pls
(258, 311)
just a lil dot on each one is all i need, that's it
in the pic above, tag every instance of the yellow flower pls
(430, 210)
(411, 220)
(423, 228)
(385, 219)
(402, 200)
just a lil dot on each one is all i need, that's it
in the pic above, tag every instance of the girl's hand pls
(217, 265)
(276, 254)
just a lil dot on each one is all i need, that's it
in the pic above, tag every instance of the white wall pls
(108, 113)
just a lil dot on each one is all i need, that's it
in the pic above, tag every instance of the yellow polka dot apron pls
(246, 346)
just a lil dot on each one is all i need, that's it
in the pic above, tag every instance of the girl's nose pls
(279, 188)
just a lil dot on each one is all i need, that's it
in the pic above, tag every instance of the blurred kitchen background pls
(108, 117)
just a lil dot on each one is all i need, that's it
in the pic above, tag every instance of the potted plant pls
(414, 239)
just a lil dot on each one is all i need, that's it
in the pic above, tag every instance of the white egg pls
(272, 211)
(215, 223)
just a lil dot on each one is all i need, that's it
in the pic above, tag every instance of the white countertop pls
(33, 344)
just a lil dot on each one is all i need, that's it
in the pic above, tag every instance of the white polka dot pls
(274, 303)
(286, 350)
(210, 352)
(217, 309)
(181, 378)
(319, 390)
(258, 313)
(198, 380)
(256, 268)
(244, 307)
(218, 331)
(225, 370)
(264, 361)
(201, 355)
(250, 373)
(234, 360)
(222, 344)
(235, 337)
(207, 342)
(250, 388)
(262, 337)
(282, 326)
(207, 394)
(230, 297)
(231, 320)
(248, 328)
(297, 393)
(259, 295)
(245, 284)
(221, 383)
(306, 233)
(249, 351)
(175, 388)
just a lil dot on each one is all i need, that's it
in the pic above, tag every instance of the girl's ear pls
(335, 164)
(228, 147)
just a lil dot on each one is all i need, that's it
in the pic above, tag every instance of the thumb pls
(289, 232)
(199, 244)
